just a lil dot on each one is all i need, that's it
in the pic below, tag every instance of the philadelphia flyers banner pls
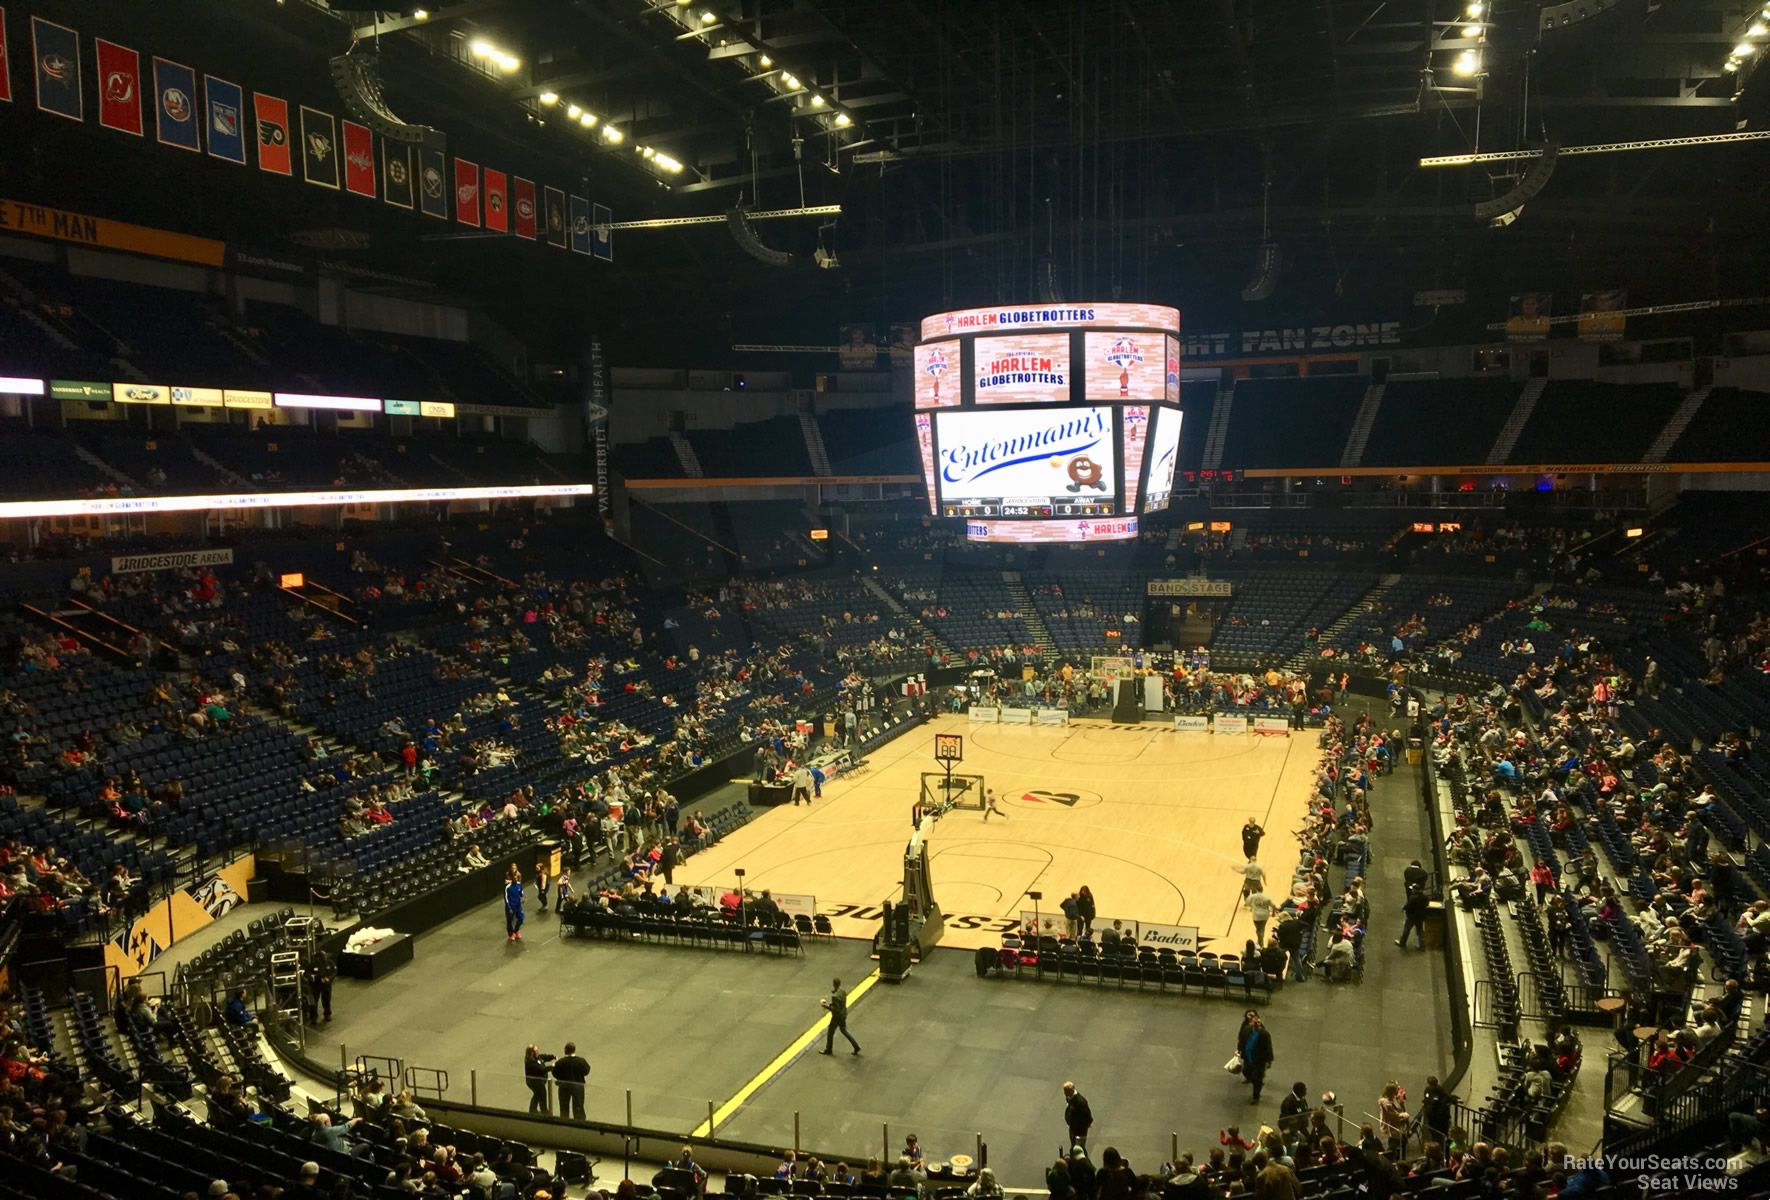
(273, 133)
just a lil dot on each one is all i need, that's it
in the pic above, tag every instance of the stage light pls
(1730, 65)
(1474, 10)
(843, 120)
(766, 61)
(665, 161)
(549, 97)
(1744, 50)
(1471, 31)
(571, 110)
(817, 102)
(480, 47)
(587, 120)
(612, 134)
(1468, 62)
(708, 18)
(419, 14)
(646, 150)
(508, 62)
(790, 81)
(1757, 29)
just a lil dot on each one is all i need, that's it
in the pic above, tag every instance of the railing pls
(1483, 1007)
(427, 1081)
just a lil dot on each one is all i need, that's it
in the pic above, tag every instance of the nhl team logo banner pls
(396, 173)
(319, 148)
(119, 87)
(433, 185)
(227, 119)
(497, 201)
(524, 192)
(272, 114)
(359, 160)
(556, 223)
(175, 106)
(55, 54)
(580, 225)
(602, 238)
(467, 192)
(5, 62)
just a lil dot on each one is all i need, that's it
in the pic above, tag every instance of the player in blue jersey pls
(513, 905)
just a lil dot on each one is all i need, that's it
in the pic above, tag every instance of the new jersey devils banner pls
(359, 159)
(119, 87)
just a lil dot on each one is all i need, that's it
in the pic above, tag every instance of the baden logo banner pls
(1169, 937)
(1192, 724)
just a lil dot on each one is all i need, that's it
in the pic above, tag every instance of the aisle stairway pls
(1515, 423)
(1368, 604)
(1023, 604)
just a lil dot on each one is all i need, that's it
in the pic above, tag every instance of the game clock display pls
(1042, 424)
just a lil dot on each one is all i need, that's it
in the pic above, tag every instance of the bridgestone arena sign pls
(1190, 587)
(129, 564)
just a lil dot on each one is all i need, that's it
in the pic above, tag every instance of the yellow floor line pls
(779, 1063)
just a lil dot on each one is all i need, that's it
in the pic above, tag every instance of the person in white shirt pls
(476, 858)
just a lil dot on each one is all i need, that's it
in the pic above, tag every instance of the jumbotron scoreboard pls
(1049, 423)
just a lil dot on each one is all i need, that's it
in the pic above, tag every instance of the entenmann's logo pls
(965, 462)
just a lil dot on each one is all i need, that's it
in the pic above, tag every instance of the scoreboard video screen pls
(1058, 423)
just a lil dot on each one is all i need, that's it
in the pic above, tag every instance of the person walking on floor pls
(837, 1004)
(1255, 1048)
(1078, 1117)
(513, 906)
(565, 891)
(1085, 910)
(542, 881)
(570, 1072)
(668, 858)
(1253, 877)
(990, 806)
(1414, 917)
(1260, 909)
(1251, 833)
(801, 785)
(535, 1067)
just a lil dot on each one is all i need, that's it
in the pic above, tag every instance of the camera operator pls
(535, 1069)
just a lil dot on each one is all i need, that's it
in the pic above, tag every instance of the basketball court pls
(1148, 818)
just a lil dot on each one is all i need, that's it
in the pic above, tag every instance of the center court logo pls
(1057, 440)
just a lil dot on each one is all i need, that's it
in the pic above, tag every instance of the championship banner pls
(224, 103)
(497, 201)
(1527, 320)
(555, 211)
(1231, 725)
(1192, 724)
(1272, 725)
(55, 54)
(1600, 318)
(396, 174)
(602, 243)
(467, 192)
(319, 148)
(580, 225)
(433, 191)
(272, 115)
(175, 106)
(598, 398)
(523, 193)
(5, 62)
(857, 346)
(359, 160)
(985, 716)
(119, 87)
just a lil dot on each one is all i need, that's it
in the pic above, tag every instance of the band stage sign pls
(1213, 588)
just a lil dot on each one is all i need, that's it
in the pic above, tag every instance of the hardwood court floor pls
(1149, 819)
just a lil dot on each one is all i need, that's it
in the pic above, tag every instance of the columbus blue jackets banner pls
(319, 148)
(175, 105)
(55, 51)
(602, 238)
(119, 87)
(226, 104)
(433, 190)
(5, 62)
(556, 230)
(580, 225)
(396, 173)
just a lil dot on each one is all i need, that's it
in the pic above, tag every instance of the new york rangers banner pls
(497, 201)
(556, 230)
(272, 114)
(396, 173)
(175, 105)
(602, 238)
(227, 121)
(580, 224)
(524, 193)
(119, 87)
(319, 148)
(359, 160)
(467, 192)
(55, 53)
(5, 62)
(433, 187)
